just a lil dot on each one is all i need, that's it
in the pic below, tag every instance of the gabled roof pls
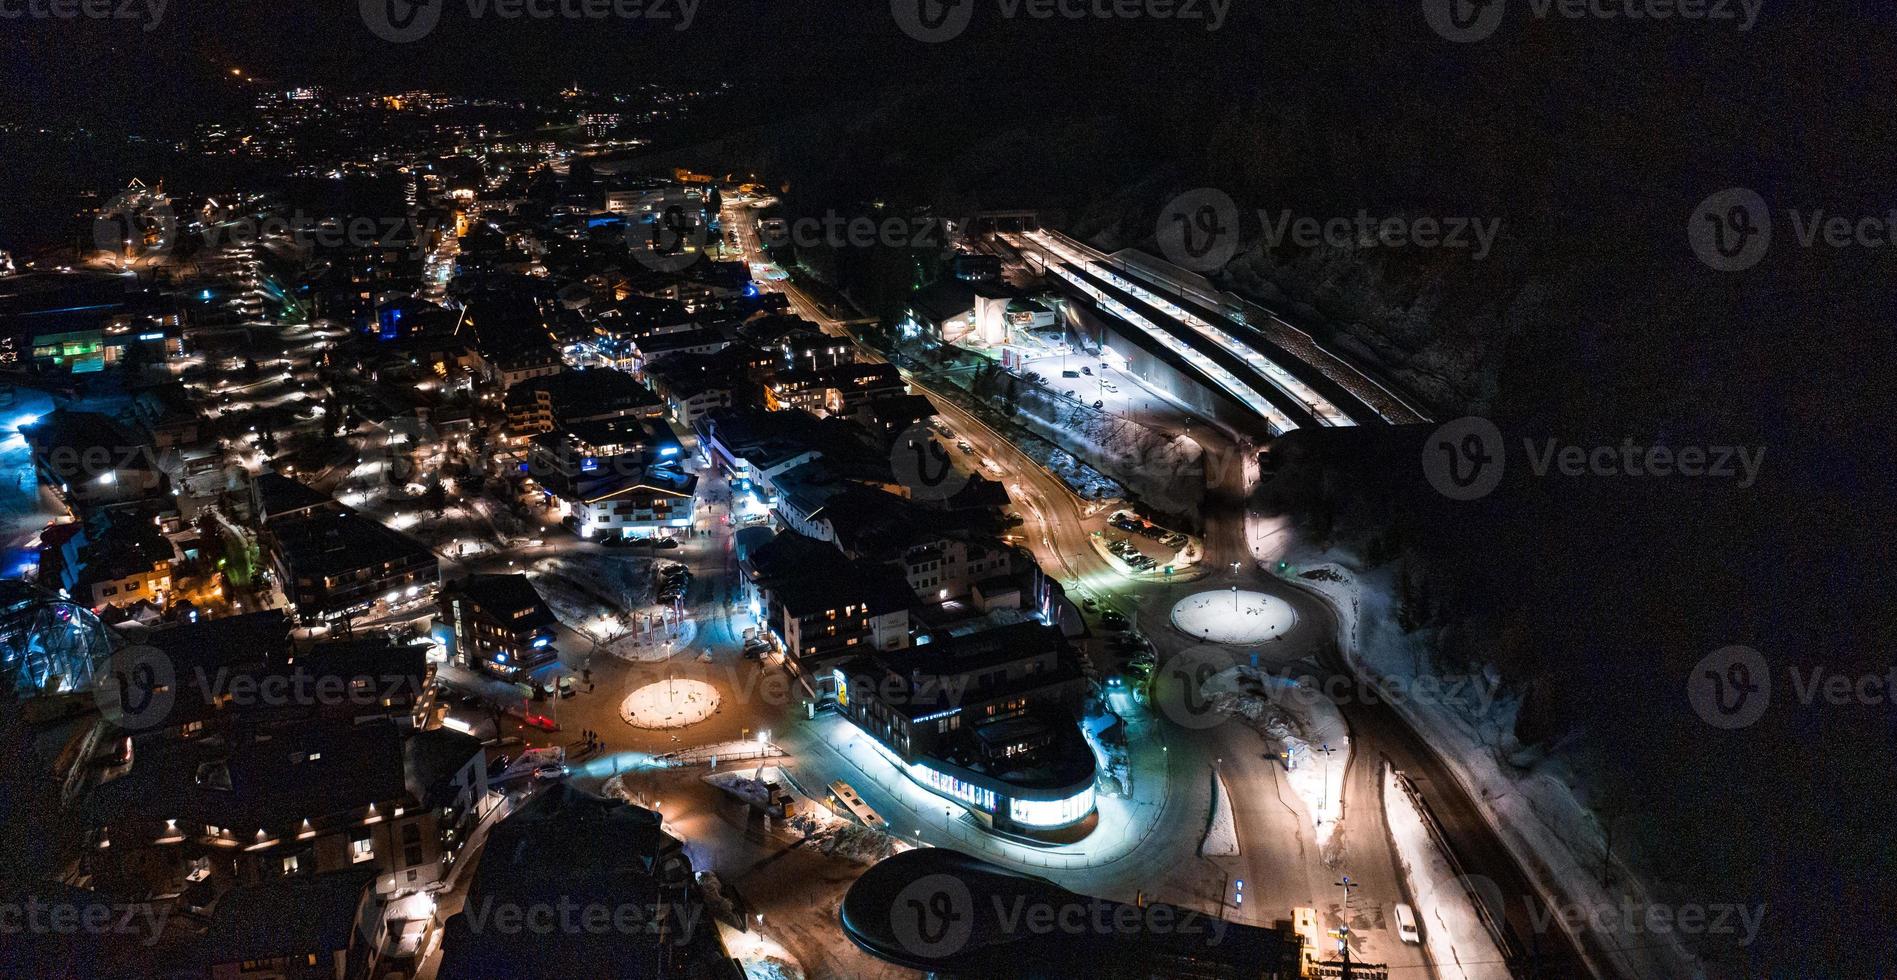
(507, 597)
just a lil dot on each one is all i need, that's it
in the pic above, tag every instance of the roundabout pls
(670, 704)
(1234, 616)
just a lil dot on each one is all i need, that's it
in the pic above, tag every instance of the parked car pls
(1406, 925)
(1070, 374)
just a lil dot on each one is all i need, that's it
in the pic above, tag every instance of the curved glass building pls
(49, 644)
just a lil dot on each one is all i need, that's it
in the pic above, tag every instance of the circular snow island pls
(670, 704)
(1235, 617)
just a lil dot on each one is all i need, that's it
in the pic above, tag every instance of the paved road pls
(1279, 858)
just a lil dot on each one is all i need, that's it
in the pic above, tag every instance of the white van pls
(1406, 924)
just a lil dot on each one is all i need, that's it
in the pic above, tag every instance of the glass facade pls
(954, 788)
(1051, 813)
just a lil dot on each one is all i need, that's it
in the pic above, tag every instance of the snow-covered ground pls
(1166, 472)
(1233, 616)
(1533, 800)
(1221, 838)
(1458, 944)
(670, 704)
(1299, 718)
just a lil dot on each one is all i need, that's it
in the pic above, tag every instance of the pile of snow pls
(854, 842)
(771, 968)
(743, 787)
(1533, 801)
(1221, 839)
(1298, 720)
(1167, 472)
(1459, 945)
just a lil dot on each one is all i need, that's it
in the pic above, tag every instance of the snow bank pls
(1458, 944)
(1221, 839)
(1533, 801)
(860, 844)
(1298, 718)
(1166, 472)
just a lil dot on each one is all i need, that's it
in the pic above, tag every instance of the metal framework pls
(48, 643)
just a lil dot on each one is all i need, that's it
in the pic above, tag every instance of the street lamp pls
(1327, 750)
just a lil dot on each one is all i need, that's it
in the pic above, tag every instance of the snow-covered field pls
(1459, 945)
(1301, 720)
(1533, 800)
